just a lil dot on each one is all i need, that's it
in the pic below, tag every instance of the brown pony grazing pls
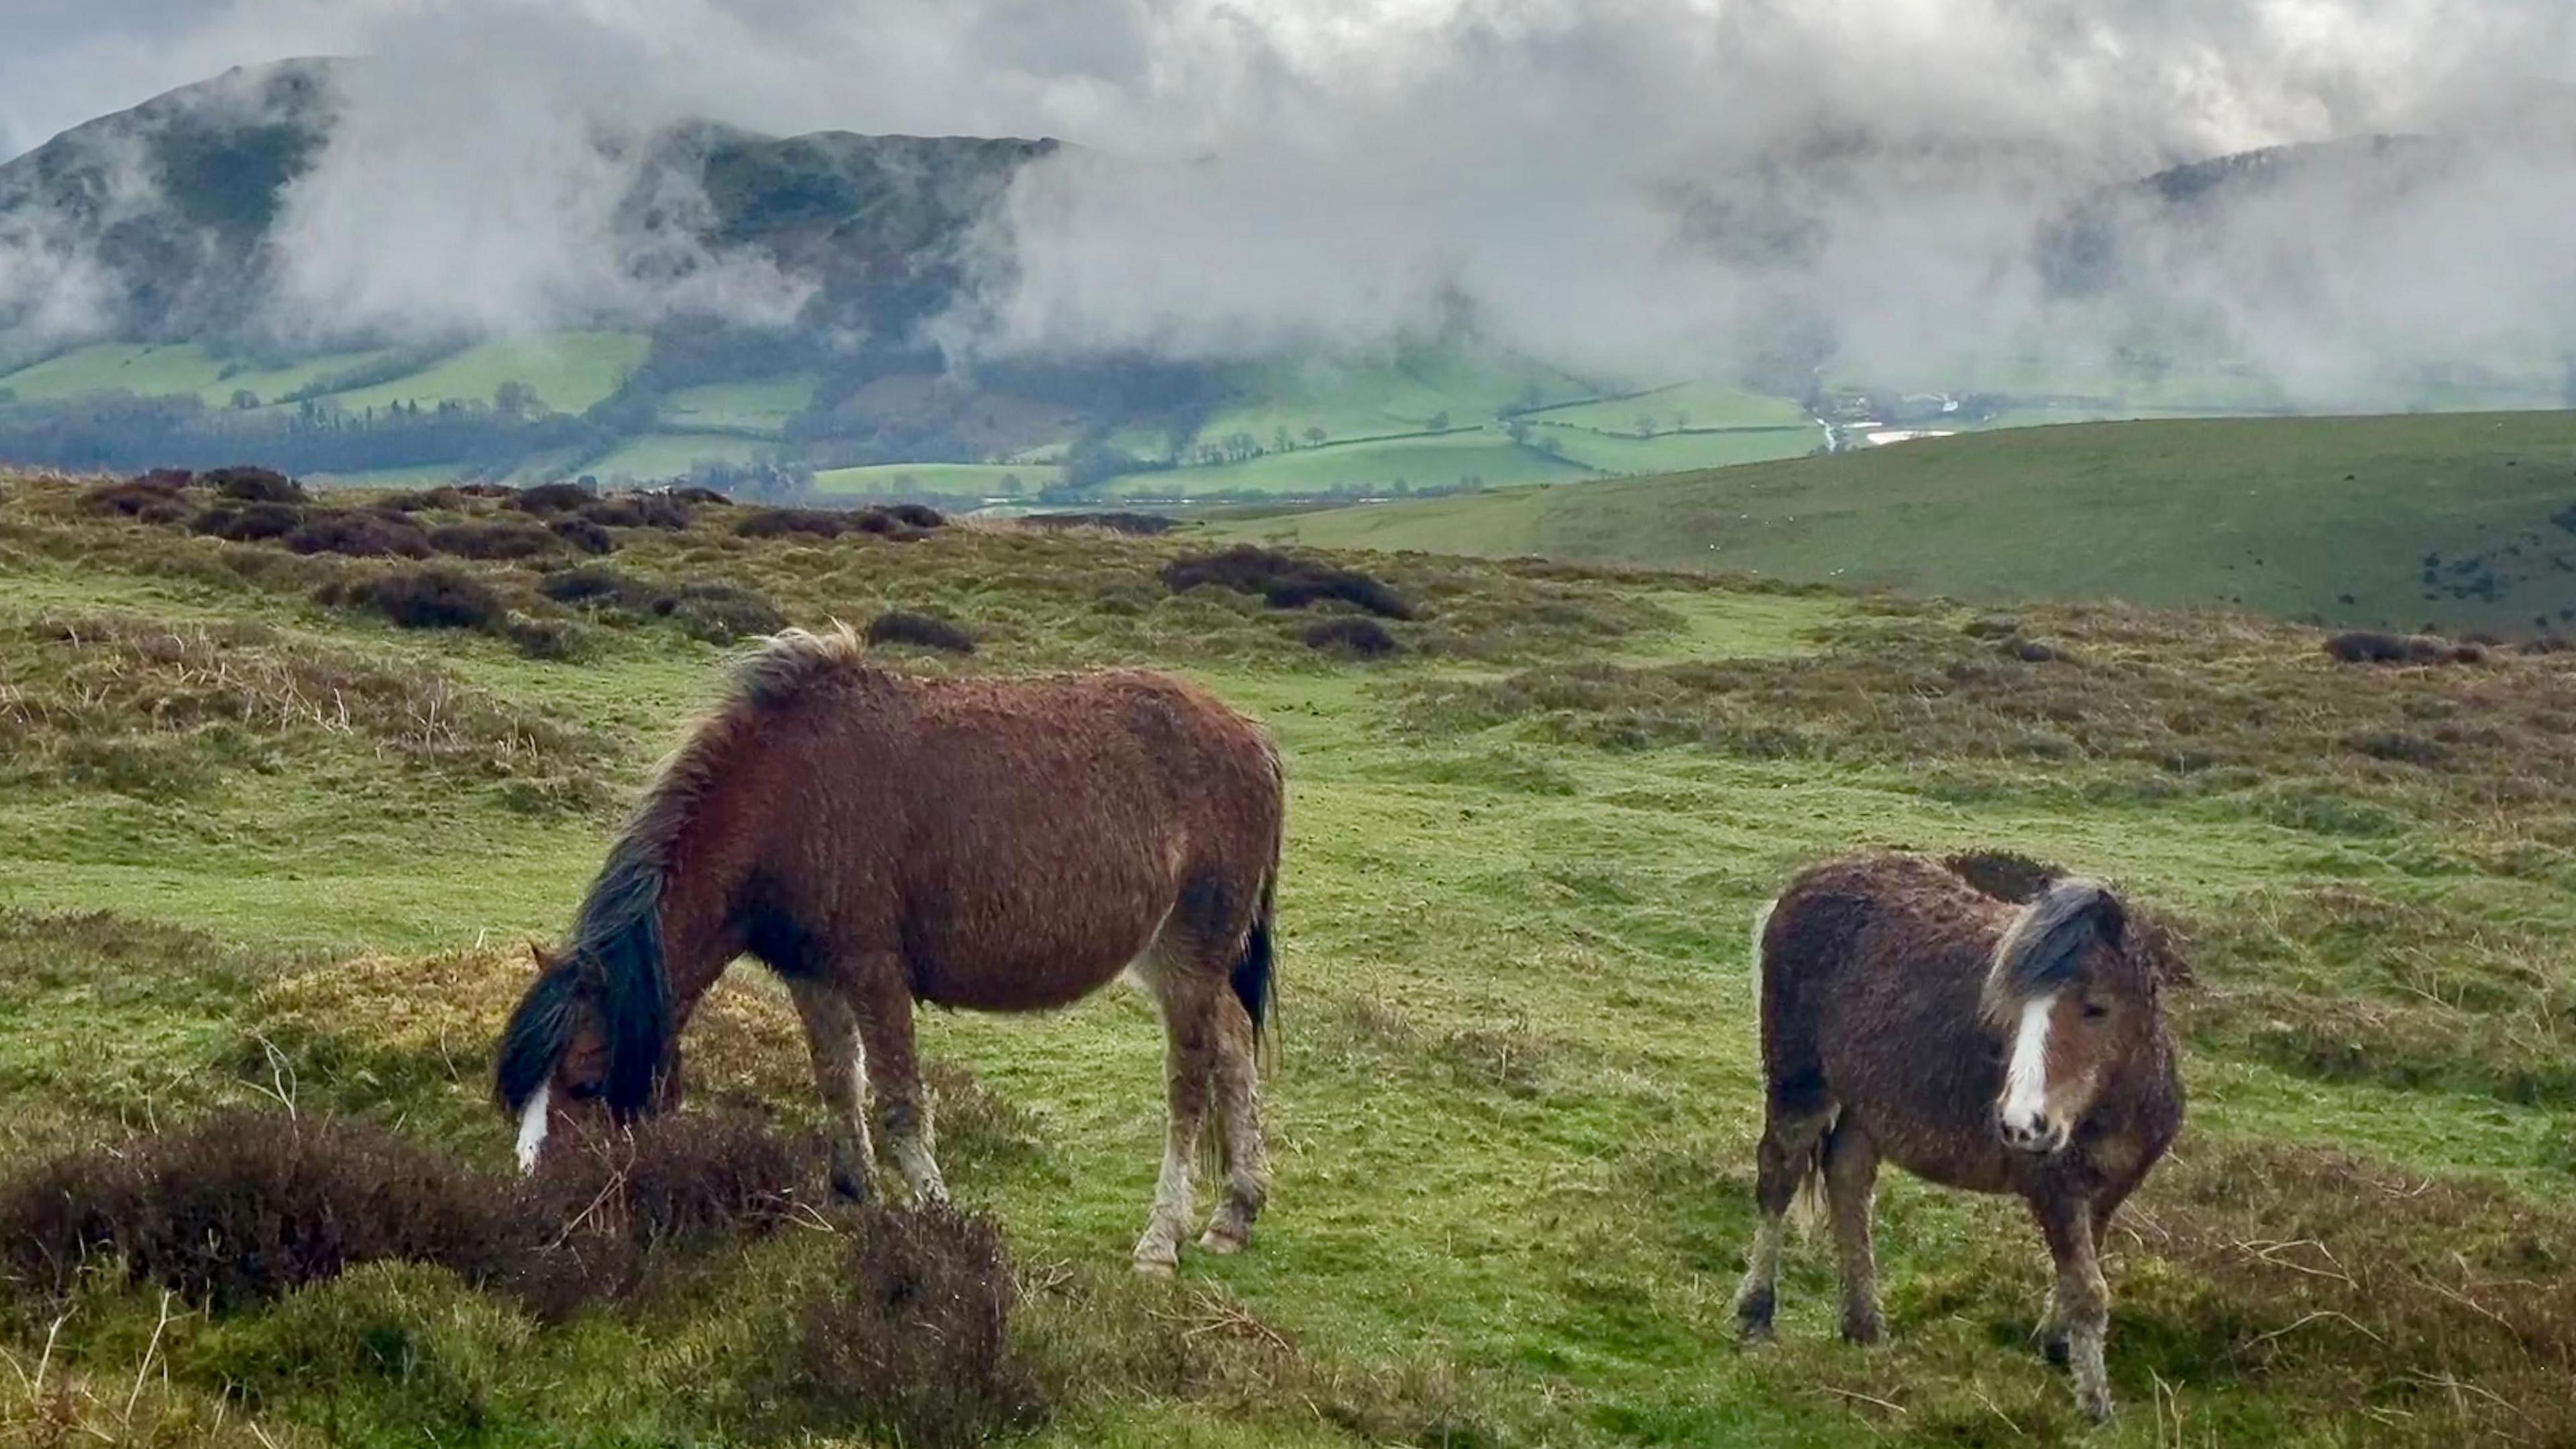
(1982, 1044)
(877, 840)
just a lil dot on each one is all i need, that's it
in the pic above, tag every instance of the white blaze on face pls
(532, 1127)
(2025, 1105)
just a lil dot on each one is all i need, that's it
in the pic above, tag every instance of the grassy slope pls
(672, 455)
(1440, 460)
(162, 371)
(958, 479)
(760, 407)
(1684, 404)
(2284, 516)
(1514, 1110)
(569, 370)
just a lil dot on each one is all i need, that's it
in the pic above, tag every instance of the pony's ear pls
(2112, 917)
(537, 960)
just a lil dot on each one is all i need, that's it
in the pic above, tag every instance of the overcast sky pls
(1637, 182)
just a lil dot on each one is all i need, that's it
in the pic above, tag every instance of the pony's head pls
(2072, 1000)
(579, 1053)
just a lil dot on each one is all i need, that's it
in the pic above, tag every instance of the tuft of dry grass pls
(147, 706)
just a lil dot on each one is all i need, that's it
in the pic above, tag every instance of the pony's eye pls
(2094, 1011)
(585, 1091)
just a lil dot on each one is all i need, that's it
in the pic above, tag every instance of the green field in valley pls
(1516, 1091)
(569, 371)
(760, 407)
(1438, 460)
(968, 480)
(651, 456)
(183, 368)
(2389, 520)
(1681, 406)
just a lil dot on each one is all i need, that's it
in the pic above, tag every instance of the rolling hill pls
(2461, 520)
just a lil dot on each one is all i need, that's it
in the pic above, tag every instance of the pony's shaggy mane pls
(2039, 950)
(615, 946)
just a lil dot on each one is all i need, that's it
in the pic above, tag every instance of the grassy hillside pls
(2388, 520)
(1436, 460)
(254, 846)
(158, 370)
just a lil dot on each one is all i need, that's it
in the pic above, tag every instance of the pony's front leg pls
(841, 1077)
(894, 1073)
(2080, 1304)
(1188, 1067)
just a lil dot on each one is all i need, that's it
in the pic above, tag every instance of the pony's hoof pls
(2096, 1404)
(1222, 1240)
(1157, 1267)
(1863, 1331)
(1753, 1318)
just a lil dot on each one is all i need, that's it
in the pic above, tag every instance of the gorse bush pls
(359, 533)
(253, 485)
(433, 597)
(1356, 638)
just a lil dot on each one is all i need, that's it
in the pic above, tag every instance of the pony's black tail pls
(1254, 976)
(616, 952)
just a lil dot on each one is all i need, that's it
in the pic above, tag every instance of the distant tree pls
(1009, 486)
(1280, 442)
(1438, 422)
(1315, 435)
(514, 399)
(244, 400)
(1518, 430)
(1681, 422)
(1645, 425)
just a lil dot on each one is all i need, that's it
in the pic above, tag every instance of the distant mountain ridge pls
(171, 204)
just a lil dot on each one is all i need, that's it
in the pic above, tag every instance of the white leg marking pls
(2026, 1077)
(532, 1127)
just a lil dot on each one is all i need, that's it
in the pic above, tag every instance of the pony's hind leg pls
(2079, 1306)
(841, 1076)
(1238, 1116)
(1784, 1162)
(1851, 1177)
(1188, 999)
(894, 1072)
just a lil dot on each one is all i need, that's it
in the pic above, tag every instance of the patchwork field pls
(267, 852)
(2464, 520)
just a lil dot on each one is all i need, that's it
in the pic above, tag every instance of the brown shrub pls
(2375, 646)
(915, 1345)
(901, 626)
(248, 522)
(552, 498)
(246, 1205)
(434, 597)
(717, 613)
(1140, 525)
(155, 497)
(359, 533)
(246, 484)
(707, 496)
(493, 539)
(916, 515)
(638, 510)
(446, 497)
(1355, 638)
(583, 534)
(1284, 582)
(786, 522)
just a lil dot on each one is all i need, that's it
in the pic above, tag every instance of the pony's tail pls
(1807, 1207)
(1255, 975)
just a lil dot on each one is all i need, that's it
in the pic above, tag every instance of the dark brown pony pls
(877, 840)
(1983, 1044)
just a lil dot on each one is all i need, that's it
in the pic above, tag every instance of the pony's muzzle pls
(2036, 1133)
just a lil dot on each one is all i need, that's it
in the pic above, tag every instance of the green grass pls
(1681, 405)
(759, 407)
(2295, 517)
(1517, 1090)
(1440, 461)
(153, 370)
(954, 479)
(569, 370)
(1352, 401)
(672, 455)
(1672, 452)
